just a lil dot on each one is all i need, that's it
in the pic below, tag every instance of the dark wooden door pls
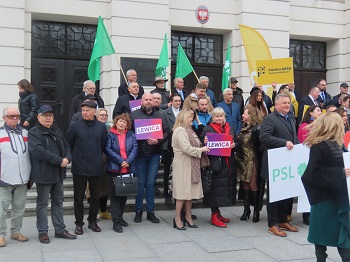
(304, 80)
(213, 73)
(56, 82)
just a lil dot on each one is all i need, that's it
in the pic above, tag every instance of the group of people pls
(99, 153)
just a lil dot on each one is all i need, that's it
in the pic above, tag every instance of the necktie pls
(181, 94)
(323, 97)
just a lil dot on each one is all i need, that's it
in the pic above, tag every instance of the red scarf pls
(223, 130)
(219, 129)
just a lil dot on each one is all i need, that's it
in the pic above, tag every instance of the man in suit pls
(324, 97)
(344, 88)
(179, 89)
(232, 110)
(277, 130)
(131, 76)
(122, 104)
(309, 100)
(170, 115)
(294, 93)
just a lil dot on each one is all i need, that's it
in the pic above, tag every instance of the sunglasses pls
(13, 116)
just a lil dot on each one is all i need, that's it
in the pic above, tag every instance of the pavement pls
(147, 242)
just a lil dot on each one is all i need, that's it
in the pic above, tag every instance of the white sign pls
(285, 170)
(303, 204)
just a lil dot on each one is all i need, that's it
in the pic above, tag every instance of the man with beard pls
(147, 159)
(324, 97)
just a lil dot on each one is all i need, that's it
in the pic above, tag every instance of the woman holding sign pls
(247, 161)
(224, 183)
(325, 183)
(188, 152)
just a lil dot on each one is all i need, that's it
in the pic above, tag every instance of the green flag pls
(102, 46)
(163, 61)
(183, 65)
(226, 72)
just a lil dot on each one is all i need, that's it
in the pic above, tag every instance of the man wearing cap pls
(179, 89)
(131, 77)
(89, 87)
(49, 155)
(147, 160)
(159, 82)
(77, 116)
(87, 138)
(122, 105)
(344, 88)
(14, 174)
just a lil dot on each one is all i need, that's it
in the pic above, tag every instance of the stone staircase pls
(130, 205)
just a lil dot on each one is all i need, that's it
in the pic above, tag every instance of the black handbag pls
(215, 164)
(126, 185)
(207, 180)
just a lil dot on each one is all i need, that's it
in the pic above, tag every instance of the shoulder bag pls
(126, 185)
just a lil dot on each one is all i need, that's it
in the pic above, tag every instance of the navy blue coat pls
(234, 119)
(112, 151)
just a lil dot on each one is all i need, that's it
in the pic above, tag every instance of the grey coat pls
(274, 133)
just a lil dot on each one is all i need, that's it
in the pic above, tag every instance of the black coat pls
(28, 105)
(165, 96)
(304, 101)
(122, 104)
(47, 147)
(328, 98)
(170, 119)
(143, 147)
(76, 102)
(224, 183)
(324, 178)
(87, 139)
(274, 133)
(123, 90)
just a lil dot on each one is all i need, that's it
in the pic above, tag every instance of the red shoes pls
(223, 219)
(216, 221)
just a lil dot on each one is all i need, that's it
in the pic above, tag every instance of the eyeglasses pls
(46, 115)
(91, 88)
(13, 116)
(103, 115)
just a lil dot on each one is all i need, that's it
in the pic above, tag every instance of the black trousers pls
(167, 161)
(276, 211)
(321, 254)
(117, 204)
(79, 191)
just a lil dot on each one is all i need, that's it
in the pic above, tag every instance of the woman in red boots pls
(223, 191)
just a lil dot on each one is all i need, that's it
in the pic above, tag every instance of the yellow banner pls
(255, 48)
(279, 70)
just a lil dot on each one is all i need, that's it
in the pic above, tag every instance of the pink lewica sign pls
(148, 128)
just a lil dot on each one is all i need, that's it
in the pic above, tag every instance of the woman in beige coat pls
(187, 183)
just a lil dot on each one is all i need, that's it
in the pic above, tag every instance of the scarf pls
(196, 163)
(223, 130)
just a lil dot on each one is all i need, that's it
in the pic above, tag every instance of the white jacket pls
(14, 156)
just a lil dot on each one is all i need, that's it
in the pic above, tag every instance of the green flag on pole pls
(102, 46)
(226, 72)
(183, 65)
(163, 61)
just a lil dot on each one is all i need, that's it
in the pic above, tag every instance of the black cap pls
(344, 85)
(233, 80)
(44, 109)
(90, 97)
(89, 104)
(253, 89)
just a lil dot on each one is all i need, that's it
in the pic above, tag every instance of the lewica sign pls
(148, 128)
(219, 145)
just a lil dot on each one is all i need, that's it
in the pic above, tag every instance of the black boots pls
(246, 199)
(255, 201)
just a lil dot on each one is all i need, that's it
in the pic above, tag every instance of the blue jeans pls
(44, 191)
(147, 170)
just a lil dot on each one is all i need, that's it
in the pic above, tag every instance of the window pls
(308, 54)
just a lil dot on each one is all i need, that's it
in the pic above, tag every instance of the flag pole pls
(195, 75)
(121, 68)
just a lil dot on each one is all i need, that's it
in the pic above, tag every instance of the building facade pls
(37, 43)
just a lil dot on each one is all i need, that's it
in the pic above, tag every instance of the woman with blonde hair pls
(223, 191)
(325, 184)
(188, 152)
(247, 161)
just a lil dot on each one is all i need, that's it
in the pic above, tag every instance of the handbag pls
(126, 185)
(215, 164)
(207, 180)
